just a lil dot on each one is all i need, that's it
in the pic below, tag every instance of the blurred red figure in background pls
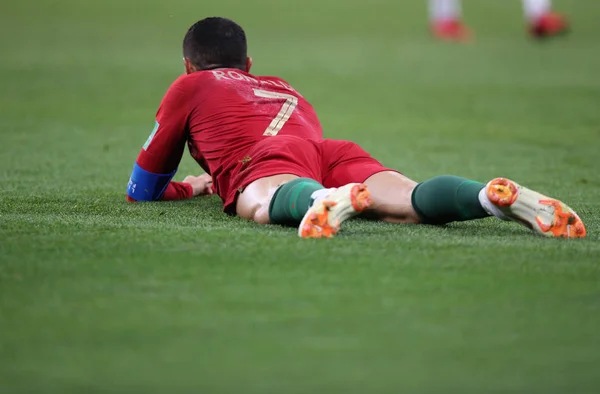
(447, 24)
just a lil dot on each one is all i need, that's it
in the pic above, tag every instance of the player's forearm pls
(148, 186)
(178, 191)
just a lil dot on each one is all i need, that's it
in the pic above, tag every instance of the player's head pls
(215, 43)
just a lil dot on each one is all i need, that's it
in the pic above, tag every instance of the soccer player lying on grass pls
(263, 146)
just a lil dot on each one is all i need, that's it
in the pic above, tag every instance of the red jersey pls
(221, 114)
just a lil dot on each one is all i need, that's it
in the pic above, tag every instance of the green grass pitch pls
(101, 296)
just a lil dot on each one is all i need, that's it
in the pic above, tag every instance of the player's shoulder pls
(187, 85)
(180, 93)
(184, 80)
(179, 86)
(208, 80)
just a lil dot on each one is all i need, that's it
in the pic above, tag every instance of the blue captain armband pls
(147, 186)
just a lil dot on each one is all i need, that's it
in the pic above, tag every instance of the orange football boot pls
(544, 215)
(325, 216)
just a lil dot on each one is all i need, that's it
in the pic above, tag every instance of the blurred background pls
(95, 298)
(92, 74)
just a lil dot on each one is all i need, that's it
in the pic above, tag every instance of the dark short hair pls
(216, 42)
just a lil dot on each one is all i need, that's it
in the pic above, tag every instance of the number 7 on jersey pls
(284, 114)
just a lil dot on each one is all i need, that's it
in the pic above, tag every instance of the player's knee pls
(261, 215)
(256, 211)
(391, 193)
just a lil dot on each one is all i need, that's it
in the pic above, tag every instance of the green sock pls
(448, 198)
(292, 200)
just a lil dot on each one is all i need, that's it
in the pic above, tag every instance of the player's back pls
(234, 110)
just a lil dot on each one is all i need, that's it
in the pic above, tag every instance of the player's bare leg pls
(289, 199)
(447, 198)
(253, 203)
(391, 195)
(439, 200)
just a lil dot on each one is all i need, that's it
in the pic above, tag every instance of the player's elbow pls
(132, 196)
(146, 186)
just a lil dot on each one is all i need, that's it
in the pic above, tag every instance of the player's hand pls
(202, 184)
